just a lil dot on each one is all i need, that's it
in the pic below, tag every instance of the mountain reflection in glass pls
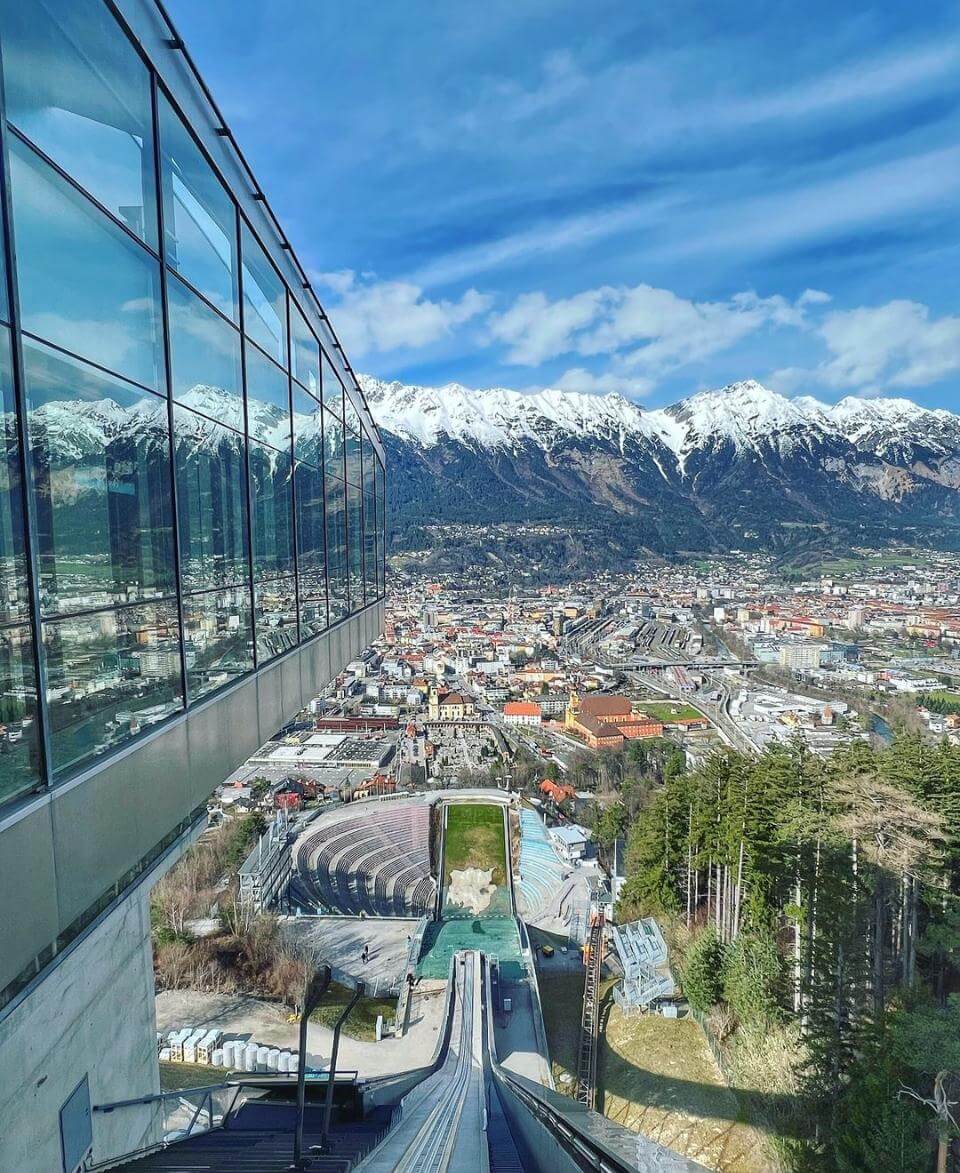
(14, 600)
(99, 450)
(271, 500)
(337, 571)
(211, 503)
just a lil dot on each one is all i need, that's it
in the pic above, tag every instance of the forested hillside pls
(815, 908)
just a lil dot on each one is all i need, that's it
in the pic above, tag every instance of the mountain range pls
(739, 467)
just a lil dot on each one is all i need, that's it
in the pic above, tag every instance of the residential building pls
(182, 583)
(522, 713)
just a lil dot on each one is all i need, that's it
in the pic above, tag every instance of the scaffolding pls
(590, 1020)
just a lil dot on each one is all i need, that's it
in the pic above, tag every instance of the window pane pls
(199, 218)
(337, 549)
(268, 400)
(100, 455)
(352, 443)
(271, 499)
(211, 502)
(333, 445)
(217, 639)
(205, 358)
(305, 351)
(276, 617)
(105, 305)
(355, 548)
(307, 428)
(264, 299)
(311, 562)
(76, 87)
(19, 741)
(369, 548)
(14, 600)
(367, 453)
(109, 675)
(332, 388)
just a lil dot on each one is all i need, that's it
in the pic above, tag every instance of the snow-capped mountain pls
(734, 465)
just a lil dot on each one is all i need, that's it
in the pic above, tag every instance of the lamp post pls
(332, 1069)
(315, 989)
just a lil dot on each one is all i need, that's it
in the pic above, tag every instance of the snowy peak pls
(745, 414)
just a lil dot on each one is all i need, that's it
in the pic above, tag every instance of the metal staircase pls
(590, 1020)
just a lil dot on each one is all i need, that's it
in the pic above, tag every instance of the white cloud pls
(647, 329)
(374, 315)
(580, 379)
(898, 344)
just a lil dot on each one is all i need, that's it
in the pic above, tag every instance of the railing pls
(178, 1115)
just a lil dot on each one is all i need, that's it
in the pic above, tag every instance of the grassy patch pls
(362, 1023)
(474, 839)
(657, 1076)
(174, 1076)
(666, 712)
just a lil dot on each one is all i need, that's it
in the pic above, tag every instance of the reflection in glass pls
(100, 456)
(355, 548)
(368, 460)
(332, 388)
(337, 573)
(268, 400)
(369, 547)
(109, 675)
(211, 502)
(311, 561)
(305, 352)
(105, 304)
(76, 87)
(199, 218)
(333, 445)
(204, 358)
(264, 299)
(352, 452)
(217, 639)
(271, 499)
(19, 740)
(307, 428)
(14, 600)
(276, 617)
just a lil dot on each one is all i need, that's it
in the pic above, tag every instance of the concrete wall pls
(95, 1016)
(92, 1010)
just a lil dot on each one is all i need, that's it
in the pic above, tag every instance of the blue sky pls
(644, 198)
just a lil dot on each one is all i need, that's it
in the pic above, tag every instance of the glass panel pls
(276, 617)
(367, 452)
(76, 87)
(268, 400)
(205, 358)
(332, 388)
(264, 299)
(307, 428)
(369, 548)
(211, 502)
(271, 499)
(19, 740)
(352, 440)
(305, 351)
(333, 445)
(14, 599)
(337, 582)
(382, 527)
(199, 218)
(311, 562)
(108, 308)
(100, 455)
(109, 675)
(217, 639)
(355, 548)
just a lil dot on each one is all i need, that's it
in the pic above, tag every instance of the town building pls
(522, 713)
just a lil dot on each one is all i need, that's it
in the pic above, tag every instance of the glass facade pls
(188, 489)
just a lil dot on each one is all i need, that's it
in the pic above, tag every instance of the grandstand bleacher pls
(541, 870)
(372, 858)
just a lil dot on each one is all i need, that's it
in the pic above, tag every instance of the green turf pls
(362, 1023)
(667, 712)
(474, 839)
(494, 935)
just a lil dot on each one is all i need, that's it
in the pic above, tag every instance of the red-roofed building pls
(522, 713)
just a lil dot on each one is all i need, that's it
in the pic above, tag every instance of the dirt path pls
(658, 1077)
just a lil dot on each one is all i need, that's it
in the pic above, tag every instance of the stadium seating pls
(541, 869)
(372, 858)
